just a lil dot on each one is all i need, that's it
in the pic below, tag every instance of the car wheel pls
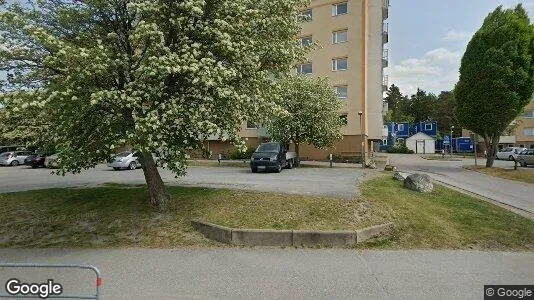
(510, 157)
(524, 165)
(14, 163)
(290, 164)
(254, 170)
(278, 168)
(132, 166)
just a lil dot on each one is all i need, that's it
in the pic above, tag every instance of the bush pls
(236, 154)
(400, 148)
(345, 159)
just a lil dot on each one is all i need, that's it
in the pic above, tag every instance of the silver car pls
(14, 158)
(526, 158)
(126, 160)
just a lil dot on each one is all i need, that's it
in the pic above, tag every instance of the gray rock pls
(398, 176)
(390, 168)
(419, 182)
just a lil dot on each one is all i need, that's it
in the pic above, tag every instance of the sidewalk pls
(283, 273)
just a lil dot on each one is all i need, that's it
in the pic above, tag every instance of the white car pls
(126, 160)
(14, 158)
(509, 153)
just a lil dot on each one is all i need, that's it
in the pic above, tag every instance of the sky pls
(427, 39)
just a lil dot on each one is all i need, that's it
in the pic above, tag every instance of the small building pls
(421, 143)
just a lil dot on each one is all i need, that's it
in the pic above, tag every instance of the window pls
(305, 68)
(339, 64)
(529, 114)
(340, 9)
(306, 15)
(344, 119)
(306, 41)
(400, 127)
(528, 131)
(428, 126)
(252, 125)
(340, 36)
(342, 92)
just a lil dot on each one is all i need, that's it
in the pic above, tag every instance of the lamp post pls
(452, 128)
(362, 144)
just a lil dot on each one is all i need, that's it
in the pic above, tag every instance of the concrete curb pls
(285, 238)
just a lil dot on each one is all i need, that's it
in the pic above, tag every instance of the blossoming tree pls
(158, 75)
(310, 113)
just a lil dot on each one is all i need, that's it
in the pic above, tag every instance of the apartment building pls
(524, 132)
(351, 37)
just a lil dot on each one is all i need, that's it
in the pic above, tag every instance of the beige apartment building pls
(350, 36)
(524, 132)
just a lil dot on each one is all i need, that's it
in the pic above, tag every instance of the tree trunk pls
(297, 152)
(156, 188)
(491, 148)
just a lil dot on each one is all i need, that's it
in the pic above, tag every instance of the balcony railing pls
(385, 33)
(385, 83)
(385, 9)
(385, 58)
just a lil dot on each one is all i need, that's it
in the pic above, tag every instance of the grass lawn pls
(446, 219)
(120, 216)
(519, 175)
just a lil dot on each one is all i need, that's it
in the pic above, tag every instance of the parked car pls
(272, 156)
(126, 160)
(509, 153)
(36, 160)
(13, 158)
(526, 157)
(52, 161)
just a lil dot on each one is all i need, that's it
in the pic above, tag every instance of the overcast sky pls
(427, 39)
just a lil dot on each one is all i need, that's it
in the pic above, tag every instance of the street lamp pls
(362, 144)
(452, 128)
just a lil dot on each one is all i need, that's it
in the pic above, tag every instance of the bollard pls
(219, 158)
(330, 160)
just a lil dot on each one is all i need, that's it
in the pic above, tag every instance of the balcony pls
(385, 58)
(385, 33)
(385, 9)
(385, 83)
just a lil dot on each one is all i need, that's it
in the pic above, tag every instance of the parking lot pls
(337, 182)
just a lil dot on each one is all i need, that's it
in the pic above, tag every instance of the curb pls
(285, 238)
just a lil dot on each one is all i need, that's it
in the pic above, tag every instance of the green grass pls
(518, 175)
(120, 216)
(446, 219)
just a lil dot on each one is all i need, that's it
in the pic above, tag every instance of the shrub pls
(236, 154)
(400, 148)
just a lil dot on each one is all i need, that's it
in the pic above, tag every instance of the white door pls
(420, 146)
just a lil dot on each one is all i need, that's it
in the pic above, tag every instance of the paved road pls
(337, 182)
(509, 192)
(281, 273)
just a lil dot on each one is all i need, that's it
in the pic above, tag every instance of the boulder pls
(390, 168)
(398, 176)
(419, 182)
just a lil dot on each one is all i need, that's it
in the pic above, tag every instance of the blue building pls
(429, 128)
(397, 132)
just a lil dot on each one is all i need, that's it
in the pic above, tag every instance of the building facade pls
(350, 35)
(524, 132)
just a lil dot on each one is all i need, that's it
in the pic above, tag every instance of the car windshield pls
(124, 154)
(270, 147)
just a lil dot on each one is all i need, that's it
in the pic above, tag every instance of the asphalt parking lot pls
(336, 182)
